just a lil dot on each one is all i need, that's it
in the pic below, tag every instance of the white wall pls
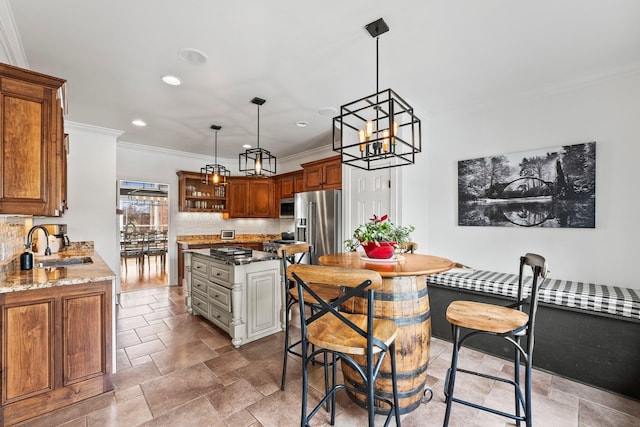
(91, 190)
(605, 112)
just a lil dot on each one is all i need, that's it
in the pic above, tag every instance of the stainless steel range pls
(237, 256)
(273, 245)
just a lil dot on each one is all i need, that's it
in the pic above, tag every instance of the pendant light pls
(257, 161)
(378, 131)
(214, 174)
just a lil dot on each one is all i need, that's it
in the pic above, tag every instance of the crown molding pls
(91, 128)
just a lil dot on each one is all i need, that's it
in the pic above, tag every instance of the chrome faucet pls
(29, 243)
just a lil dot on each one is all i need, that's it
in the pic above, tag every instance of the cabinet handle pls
(215, 296)
(218, 316)
(198, 267)
(217, 274)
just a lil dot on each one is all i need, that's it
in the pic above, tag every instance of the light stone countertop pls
(40, 277)
(200, 239)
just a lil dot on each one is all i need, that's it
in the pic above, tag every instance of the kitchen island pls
(239, 294)
(56, 334)
(206, 241)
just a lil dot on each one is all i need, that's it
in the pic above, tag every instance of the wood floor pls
(133, 278)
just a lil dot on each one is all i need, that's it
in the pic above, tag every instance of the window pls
(145, 205)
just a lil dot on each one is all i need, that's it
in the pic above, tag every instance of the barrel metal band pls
(406, 321)
(405, 375)
(401, 296)
(386, 394)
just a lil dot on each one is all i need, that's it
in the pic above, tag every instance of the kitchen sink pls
(63, 262)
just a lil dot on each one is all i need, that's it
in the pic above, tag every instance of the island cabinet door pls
(84, 326)
(27, 349)
(263, 302)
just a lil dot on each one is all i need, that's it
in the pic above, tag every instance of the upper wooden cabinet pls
(290, 184)
(251, 198)
(196, 196)
(33, 162)
(324, 174)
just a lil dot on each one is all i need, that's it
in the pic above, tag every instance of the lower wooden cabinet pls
(56, 348)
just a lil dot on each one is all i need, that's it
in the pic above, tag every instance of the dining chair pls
(298, 253)
(156, 246)
(509, 323)
(132, 246)
(344, 336)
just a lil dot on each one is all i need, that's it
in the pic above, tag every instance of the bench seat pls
(600, 299)
(584, 331)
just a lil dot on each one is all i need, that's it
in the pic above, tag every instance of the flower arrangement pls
(377, 230)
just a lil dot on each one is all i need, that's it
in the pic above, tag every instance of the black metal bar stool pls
(339, 336)
(295, 254)
(510, 323)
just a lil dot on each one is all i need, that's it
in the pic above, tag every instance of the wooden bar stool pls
(295, 254)
(409, 247)
(510, 323)
(340, 336)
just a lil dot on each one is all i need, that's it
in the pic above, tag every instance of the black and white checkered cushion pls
(612, 300)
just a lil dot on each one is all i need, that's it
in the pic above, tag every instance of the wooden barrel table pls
(403, 297)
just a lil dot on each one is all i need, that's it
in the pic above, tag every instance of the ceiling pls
(302, 57)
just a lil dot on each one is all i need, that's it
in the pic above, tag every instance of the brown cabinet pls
(33, 162)
(290, 184)
(324, 174)
(196, 196)
(251, 198)
(56, 348)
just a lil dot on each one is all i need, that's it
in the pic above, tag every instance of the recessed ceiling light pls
(302, 123)
(246, 146)
(138, 122)
(328, 111)
(193, 56)
(172, 80)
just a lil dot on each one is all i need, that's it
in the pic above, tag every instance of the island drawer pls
(199, 304)
(219, 274)
(200, 285)
(200, 267)
(220, 295)
(220, 317)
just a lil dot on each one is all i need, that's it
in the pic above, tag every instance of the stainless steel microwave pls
(287, 208)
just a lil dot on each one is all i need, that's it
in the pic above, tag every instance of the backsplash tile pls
(195, 223)
(12, 231)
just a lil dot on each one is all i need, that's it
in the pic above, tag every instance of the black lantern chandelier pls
(378, 131)
(215, 174)
(257, 161)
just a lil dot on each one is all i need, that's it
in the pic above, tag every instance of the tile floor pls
(175, 369)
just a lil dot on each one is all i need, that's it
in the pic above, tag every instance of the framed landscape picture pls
(553, 187)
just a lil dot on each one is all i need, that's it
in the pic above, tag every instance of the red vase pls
(379, 250)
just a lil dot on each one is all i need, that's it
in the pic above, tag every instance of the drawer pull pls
(217, 274)
(215, 296)
(218, 316)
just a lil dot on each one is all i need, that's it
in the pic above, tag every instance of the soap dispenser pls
(26, 259)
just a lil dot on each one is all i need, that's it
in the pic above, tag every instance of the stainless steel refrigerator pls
(319, 221)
